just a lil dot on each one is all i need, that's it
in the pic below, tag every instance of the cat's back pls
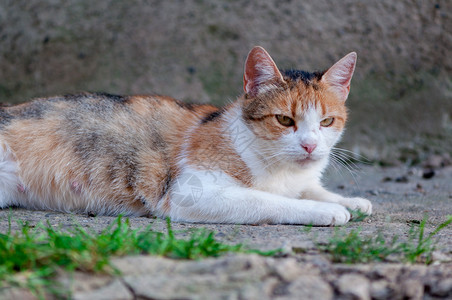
(93, 125)
(88, 109)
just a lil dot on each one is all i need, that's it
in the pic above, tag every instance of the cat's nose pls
(309, 147)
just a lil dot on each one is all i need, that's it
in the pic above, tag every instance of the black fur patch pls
(5, 117)
(106, 96)
(114, 98)
(168, 183)
(189, 106)
(124, 167)
(306, 77)
(157, 141)
(35, 110)
(212, 116)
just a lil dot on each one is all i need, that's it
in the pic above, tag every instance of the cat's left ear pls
(261, 73)
(338, 77)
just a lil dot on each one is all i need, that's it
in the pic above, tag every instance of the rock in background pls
(401, 106)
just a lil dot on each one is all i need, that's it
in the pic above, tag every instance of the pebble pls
(402, 179)
(288, 269)
(438, 161)
(310, 287)
(412, 288)
(116, 290)
(354, 286)
(373, 192)
(443, 288)
(380, 289)
(428, 174)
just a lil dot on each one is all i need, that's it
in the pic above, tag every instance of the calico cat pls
(257, 160)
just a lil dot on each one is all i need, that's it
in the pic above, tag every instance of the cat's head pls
(296, 116)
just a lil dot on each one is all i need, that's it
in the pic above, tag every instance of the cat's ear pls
(261, 73)
(338, 77)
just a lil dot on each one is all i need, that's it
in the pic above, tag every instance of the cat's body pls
(257, 160)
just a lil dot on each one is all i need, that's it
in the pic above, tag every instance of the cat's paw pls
(360, 204)
(333, 214)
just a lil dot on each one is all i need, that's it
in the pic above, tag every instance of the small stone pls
(260, 290)
(310, 287)
(434, 161)
(354, 286)
(389, 272)
(288, 269)
(443, 288)
(80, 282)
(412, 289)
(427, 174)
(438, 256)
(116, 290)
(413, 221)
(318, 261)
(178, 286)
(402, 179)
(373, 192)
(380, 289)
(242, 266)
(142, 264)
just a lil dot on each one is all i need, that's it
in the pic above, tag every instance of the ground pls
(401, 197)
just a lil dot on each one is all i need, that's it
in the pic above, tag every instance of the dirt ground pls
(401, 196)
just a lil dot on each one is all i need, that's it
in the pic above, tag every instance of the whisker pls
(355, 156)
(340, 161)
(346, 159)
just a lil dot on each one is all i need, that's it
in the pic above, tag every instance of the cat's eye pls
(285, 120)
(327, 122)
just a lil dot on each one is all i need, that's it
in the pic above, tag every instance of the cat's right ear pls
(339, 76)
(261, 73)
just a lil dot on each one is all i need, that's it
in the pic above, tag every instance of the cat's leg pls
(10, 186)
(319, 193)
(198, 198)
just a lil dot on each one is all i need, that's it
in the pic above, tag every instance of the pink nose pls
(309, 147)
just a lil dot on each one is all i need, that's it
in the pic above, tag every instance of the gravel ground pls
(401, 196)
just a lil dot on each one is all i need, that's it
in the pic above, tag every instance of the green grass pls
(357, 215)
(351, 247)
(32, 256)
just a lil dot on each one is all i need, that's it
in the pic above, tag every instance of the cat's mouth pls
(305, 160)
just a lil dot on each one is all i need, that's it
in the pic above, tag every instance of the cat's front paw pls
(340, 217)
(332, 214)
(361, 204)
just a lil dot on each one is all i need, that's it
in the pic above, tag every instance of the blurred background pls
(401, 96)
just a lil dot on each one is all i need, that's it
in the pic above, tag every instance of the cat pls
(257, 160)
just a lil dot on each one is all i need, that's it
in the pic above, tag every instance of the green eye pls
(327, 122)
(285, 120)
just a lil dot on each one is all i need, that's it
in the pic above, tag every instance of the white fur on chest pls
(288, 182)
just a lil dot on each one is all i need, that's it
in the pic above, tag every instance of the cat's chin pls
(305, 161)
